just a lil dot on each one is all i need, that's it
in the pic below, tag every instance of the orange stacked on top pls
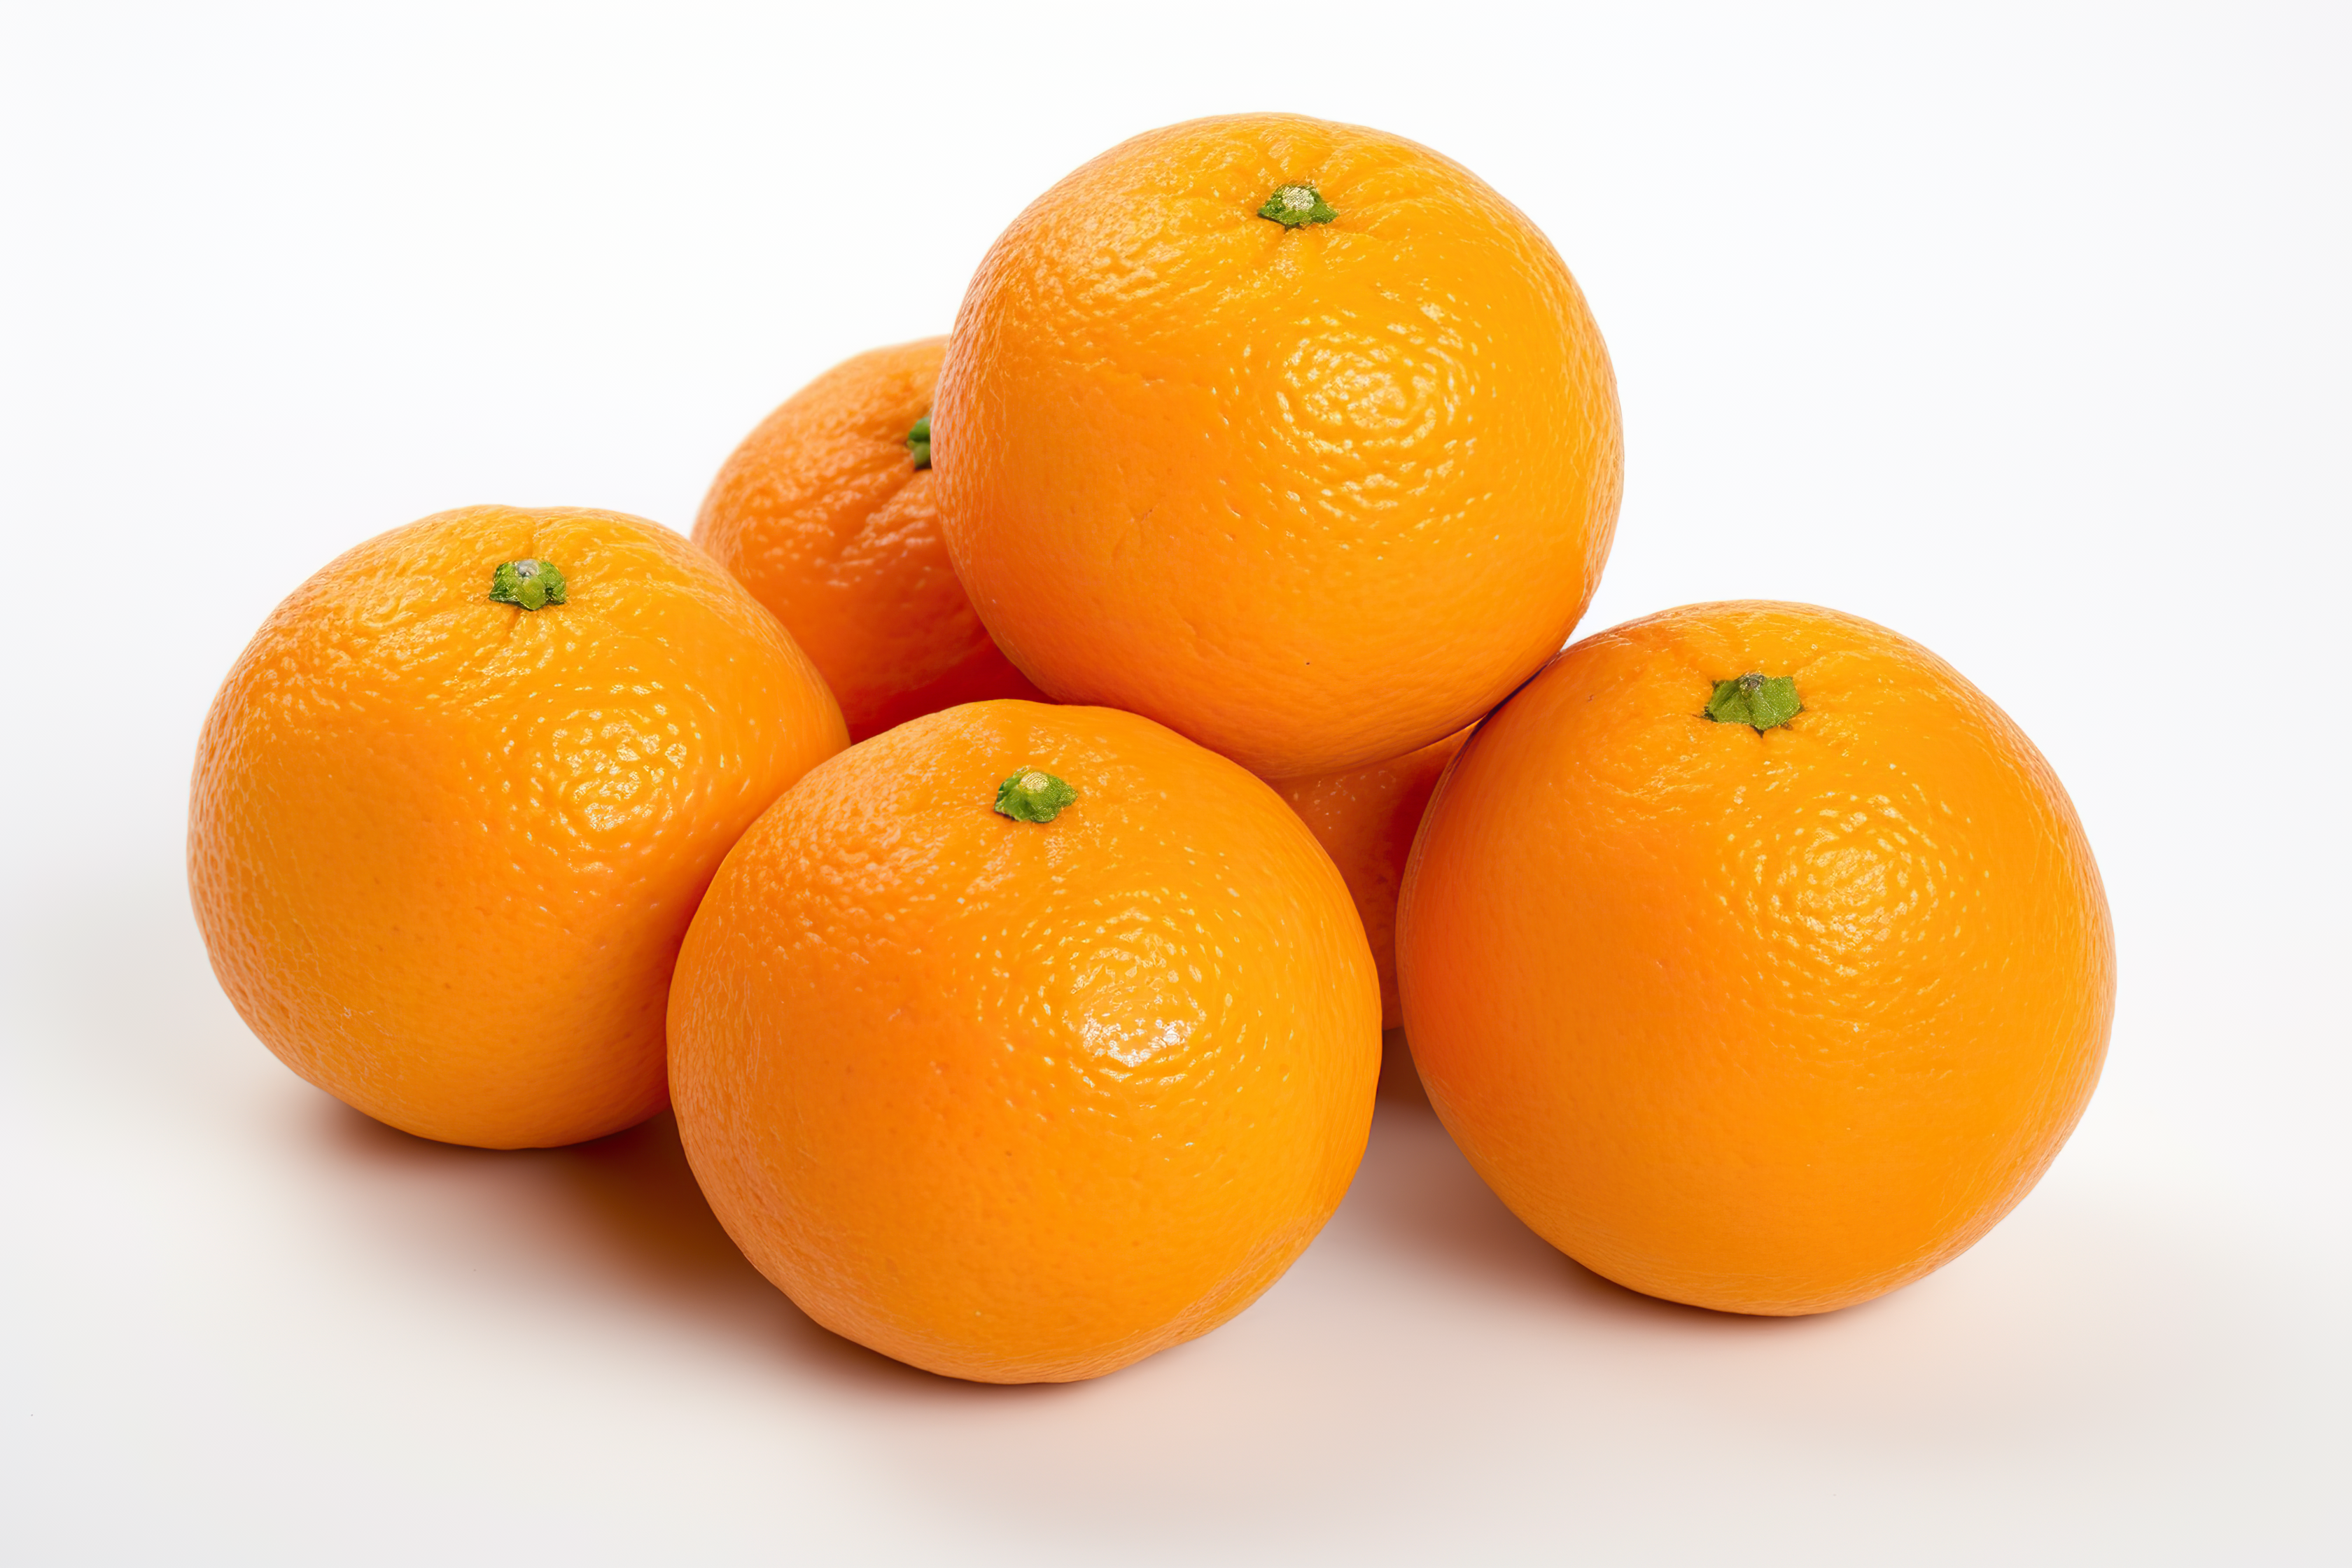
(1295, 436)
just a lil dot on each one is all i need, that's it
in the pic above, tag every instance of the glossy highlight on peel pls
(1017, 1100)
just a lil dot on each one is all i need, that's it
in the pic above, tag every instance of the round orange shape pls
(442, 850)
(822, 514)
(1768, 1021)
(1314, 496)
(1024, 1101)
(1365, 819)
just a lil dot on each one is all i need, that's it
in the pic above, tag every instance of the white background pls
(2022, 330)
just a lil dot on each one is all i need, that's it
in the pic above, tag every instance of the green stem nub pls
(1291, 206)
(919, 442)
(530, 583)
(1033, 795)
(1757, 699)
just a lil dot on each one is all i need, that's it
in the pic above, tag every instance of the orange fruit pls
(1765, 1013)
(1295, 436)
(1017, 1100)
(442, 848)
(1365, 819)
(828, 512)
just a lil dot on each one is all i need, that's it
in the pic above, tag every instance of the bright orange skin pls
(1024, 1101)
(442, 850)
(1771, 1022)
(1314, 497)
(822, 513)
(1365, 819)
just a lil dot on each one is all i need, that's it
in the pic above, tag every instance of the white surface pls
(2022, 331)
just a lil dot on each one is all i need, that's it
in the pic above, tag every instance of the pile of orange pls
(1006, 830)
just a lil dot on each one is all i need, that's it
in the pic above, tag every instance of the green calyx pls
(1033, 795)
(530, 583)
(919, 442)
(1754, 699)
(1291, 206)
